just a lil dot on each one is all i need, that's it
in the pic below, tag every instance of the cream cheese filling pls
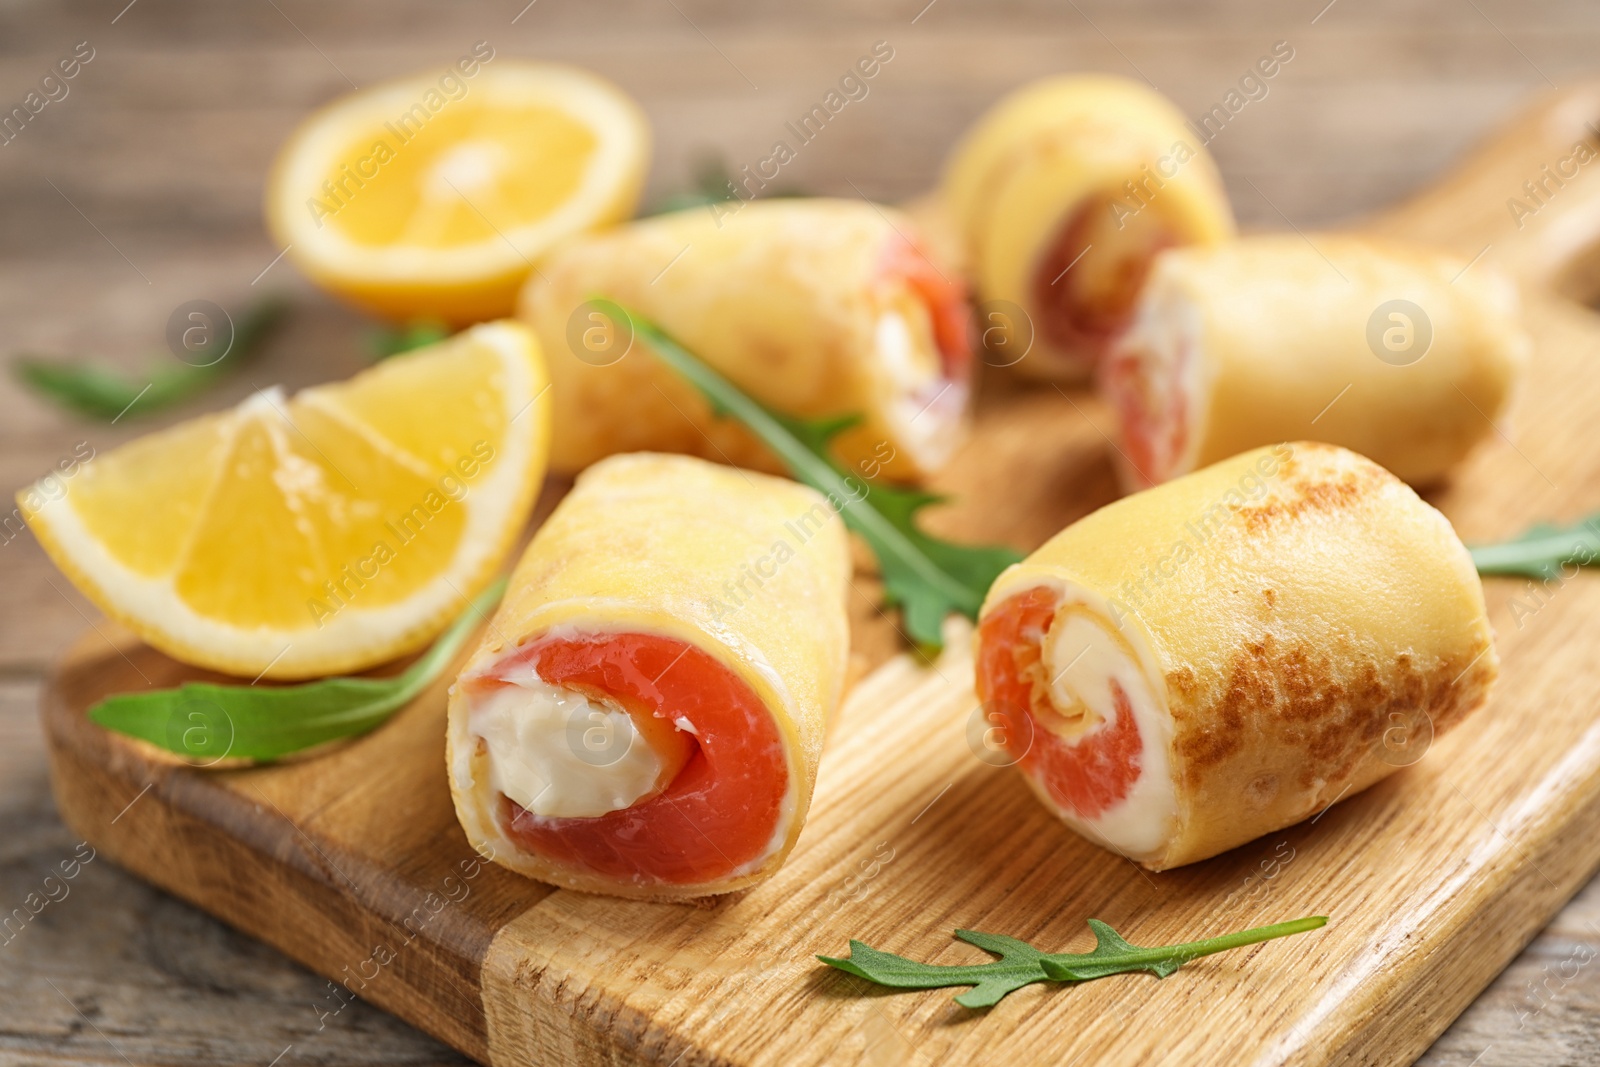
(477, 770)
(561, 754)
(1083, 658)
(922, 402)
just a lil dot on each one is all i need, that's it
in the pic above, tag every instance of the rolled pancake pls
(1063, 192)
(645, 713)
(1401, 353)
(817, 308)
(1221, 656)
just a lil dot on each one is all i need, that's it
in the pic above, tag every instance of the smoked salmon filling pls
(1063, 194)
(1399, 353)
(817, 308)
(1151, 380)
(1088, 279)
(1077, 717)
(644, 716)
(1223, 655)
(659, 764)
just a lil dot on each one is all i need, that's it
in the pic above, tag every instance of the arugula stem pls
(1195, 949)
(414, 679)
(805, 466)
(1518, 557)
(406, 686)
(1544, 551)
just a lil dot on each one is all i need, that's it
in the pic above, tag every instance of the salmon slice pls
(1089, 278)
(1085, 771)
(945, 299)
(720, 812)
(1149, 377)
(1155, 427)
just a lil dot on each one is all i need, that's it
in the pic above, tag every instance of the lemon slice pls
(319, 534)
(433, 197)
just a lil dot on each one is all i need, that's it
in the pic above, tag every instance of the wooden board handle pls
(1530, 192)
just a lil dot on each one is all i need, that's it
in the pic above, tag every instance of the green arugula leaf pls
(928, 578)
(207, 722)
(1113, 955)
(101, 392)
(1543, 551)
(391, 341)
(1020, 964)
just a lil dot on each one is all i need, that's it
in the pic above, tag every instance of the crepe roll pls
(1406, 355)
(645, 713)
(1063, 192)
(816, 308)
(1221, 656)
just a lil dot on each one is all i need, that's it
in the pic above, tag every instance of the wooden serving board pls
(352, 862)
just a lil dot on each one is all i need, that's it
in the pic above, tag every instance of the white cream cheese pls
(921, 401)
(560, 754)
(1083, 658)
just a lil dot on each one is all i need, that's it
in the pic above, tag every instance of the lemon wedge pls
(434, 197)
(317, 534)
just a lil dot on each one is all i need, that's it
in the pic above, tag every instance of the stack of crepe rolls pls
(1221, 656)
(645, 714)
(1404, 354)
(1063, 192)
(816, 308)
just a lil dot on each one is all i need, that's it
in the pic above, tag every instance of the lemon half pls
(434, 197)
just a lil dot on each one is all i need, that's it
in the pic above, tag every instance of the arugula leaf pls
(1020, 964)
(391, 341)
(210, 722)
(1542, 551)
(928, 578)
(1113, 955)
(101, 392)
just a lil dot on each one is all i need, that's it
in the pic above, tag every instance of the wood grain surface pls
(156, 162)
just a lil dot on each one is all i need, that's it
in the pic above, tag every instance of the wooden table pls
(141, 188)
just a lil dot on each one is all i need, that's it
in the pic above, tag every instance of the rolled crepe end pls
(1398, 352)
(818, 308)
(1086, 280)
(627, 762)
(1064, 193)
(1069, 689)
(645, 712)
(1232, 652)
(1152, 379)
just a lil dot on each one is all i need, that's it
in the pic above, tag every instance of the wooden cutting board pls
(353, 863)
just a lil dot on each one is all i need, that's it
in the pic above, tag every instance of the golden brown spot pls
(1205, 748)
(1183, 681)
(1306, 489)
(1330, 704)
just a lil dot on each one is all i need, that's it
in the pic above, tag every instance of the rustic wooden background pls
(141, 190)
